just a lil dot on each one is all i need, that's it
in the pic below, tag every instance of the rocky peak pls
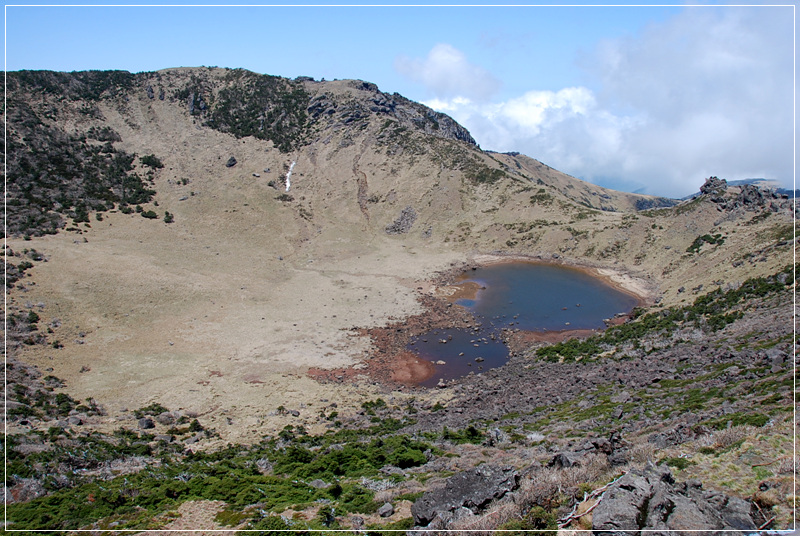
(714, 186)
(362, 99)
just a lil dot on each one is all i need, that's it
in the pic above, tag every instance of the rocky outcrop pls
(403, 222)
(714, 186)
(371, 101)
(651, 500)
(749, 197)
(463, 494)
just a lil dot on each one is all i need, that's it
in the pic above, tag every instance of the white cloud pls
(447, 74)
(708, 92)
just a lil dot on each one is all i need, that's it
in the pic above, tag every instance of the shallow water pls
(523, 295)
(543, 297)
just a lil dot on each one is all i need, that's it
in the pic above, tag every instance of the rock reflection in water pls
(461, 350)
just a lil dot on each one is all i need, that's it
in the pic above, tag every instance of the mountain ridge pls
(238, 102)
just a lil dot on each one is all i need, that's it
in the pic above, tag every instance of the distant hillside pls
(68, 157)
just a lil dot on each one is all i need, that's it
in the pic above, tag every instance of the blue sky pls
(645, 98)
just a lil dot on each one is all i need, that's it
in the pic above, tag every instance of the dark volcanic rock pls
(714, 185)
(231, 162)
(146, 423)
(403, 222)
(651, 500)
(387, 510)
(565, 459)
(472, 489)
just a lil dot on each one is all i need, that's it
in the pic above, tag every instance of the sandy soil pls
(175, 315)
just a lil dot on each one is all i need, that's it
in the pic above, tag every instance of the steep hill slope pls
(282, 218)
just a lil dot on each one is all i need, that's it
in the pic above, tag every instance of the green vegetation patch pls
(710, 312)
(265, 107)
(716, 239)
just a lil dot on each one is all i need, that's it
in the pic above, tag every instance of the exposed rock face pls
(652, 500)
(403, 222)
(25, 489)
(471, 490)
(749, 197)
(714, 185)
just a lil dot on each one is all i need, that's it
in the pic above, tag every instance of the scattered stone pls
(26, 489)
(194, 439)
(357, 522)
(403, 222)
(392, 470)
(231, 162)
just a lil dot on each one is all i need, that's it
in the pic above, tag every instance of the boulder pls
(146, 423)
(231, 162)
(565, 459)
(472, 490)
(387, 510)
(166, 418)
(651, 500)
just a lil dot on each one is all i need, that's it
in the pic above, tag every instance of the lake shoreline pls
(390, 363)
(645, 291)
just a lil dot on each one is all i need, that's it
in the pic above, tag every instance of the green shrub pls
(152, 409)
(538, 522)
(468, 435)
(736, 419)
(680, 463)
(152, 161)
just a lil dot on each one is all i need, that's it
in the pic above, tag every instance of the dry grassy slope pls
(222, 311)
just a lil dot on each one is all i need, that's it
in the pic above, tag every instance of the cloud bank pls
(447, 74)
(708, 92)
